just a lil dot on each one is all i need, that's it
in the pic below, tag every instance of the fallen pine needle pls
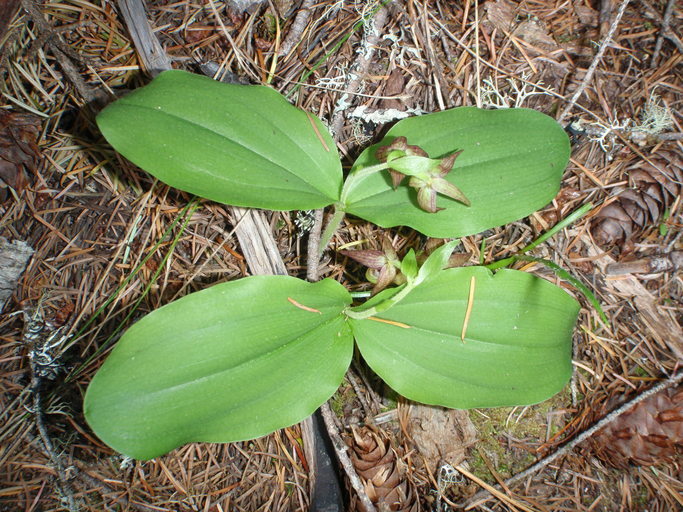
(468, 311)
(301, 306)
(495, 492)
(317, 132)
(390, 322)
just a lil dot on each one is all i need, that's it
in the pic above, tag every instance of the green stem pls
(331, 227)
(353, 178)
(569, 219)
(382, 306)
(339, 211)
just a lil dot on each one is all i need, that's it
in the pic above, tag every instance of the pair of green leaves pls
(247, 146)
(244, 358)
(241, 359)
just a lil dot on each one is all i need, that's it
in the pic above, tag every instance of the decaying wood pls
(257, 242)
(152, 55)
(650, 265)
(14, 257)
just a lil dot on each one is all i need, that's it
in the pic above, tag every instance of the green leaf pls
(236, 144)
(233, 362)
(511, 165)
(409, 265)
(436, 261)
(564, 274)
(413, 165)
(517, 347)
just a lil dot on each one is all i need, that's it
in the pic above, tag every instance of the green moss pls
(529, 425)
(344, 395)
(640, 372)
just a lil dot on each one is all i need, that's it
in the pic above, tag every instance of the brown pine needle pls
(301, 306)
(317, 132)
(390, 322)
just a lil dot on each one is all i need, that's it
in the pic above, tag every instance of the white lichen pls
(518, 91)
(655, 118)
(384, 115)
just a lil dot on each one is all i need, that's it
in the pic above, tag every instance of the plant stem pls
(382, 306)
(331, 227)
(339, 211)
(569, 219)
(353, 178)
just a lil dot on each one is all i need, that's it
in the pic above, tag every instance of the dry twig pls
(63, 53)
(297, 28)
(665, 31)
(35, 339)
(340, 447)
(596, 61)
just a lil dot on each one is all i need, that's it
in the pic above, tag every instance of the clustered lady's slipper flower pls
(427, 176)
(382, 265)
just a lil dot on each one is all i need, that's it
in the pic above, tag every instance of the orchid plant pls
(243, 358)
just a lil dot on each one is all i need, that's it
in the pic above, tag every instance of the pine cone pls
(653, 191)
(376, 464)
(650, 433)
(19, 135)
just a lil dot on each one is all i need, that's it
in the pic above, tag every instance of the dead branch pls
(649, 265)
(64, 54)
(341, 448)
(297, 28)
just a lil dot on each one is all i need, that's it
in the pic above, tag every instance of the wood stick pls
(297, 28)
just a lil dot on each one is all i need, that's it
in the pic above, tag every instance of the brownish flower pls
(427, 176)
(434, 183)
(398, 148)
(382, 265)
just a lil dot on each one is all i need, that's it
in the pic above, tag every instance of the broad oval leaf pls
(517, 346)
(511, 165)
(237, 144)
(233, 362)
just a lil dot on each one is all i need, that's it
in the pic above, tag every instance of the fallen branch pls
(666, 31)
(340, 448)
(38, 336)
(64, 54)
(297, 28)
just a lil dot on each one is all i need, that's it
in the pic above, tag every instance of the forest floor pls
(111, 243)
